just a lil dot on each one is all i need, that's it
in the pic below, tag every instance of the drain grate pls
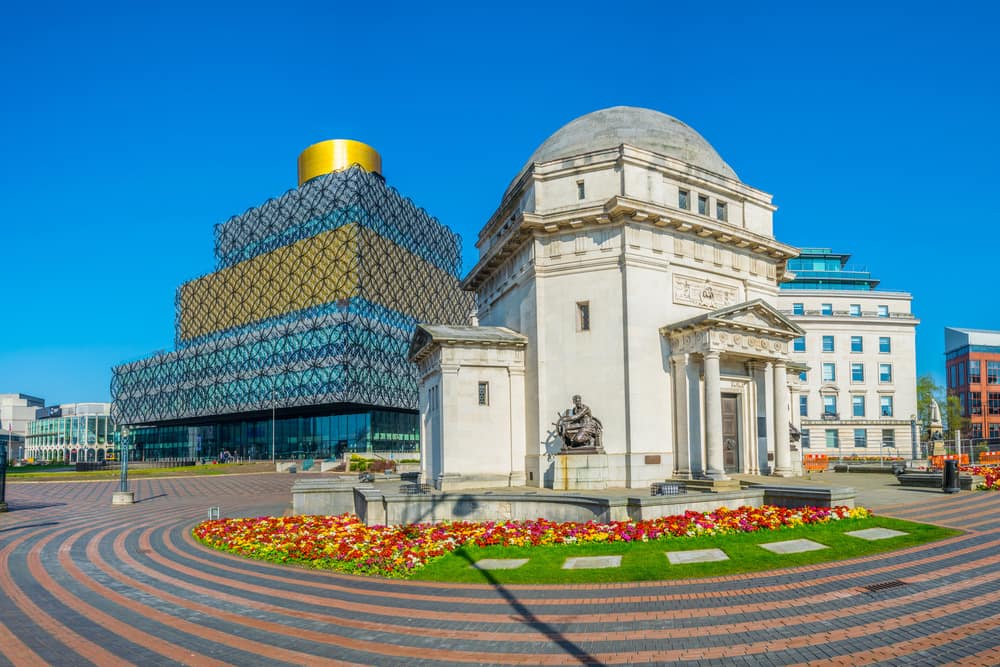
(895, 583)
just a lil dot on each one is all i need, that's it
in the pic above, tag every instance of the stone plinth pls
(123, 498)
(3, 507)
(323, 496)
(579, 471)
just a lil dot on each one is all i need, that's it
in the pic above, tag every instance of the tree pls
(951, 408)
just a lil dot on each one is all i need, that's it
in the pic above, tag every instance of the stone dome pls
(643, 128)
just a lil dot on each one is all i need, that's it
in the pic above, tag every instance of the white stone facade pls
(860, 335)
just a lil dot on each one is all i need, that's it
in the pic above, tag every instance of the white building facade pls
(72, 433)
(16, 412)
(642, 274)
(858, 396)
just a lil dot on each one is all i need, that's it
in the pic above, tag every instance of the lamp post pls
(914, 443)
(123, 496)
(3, 476)
(272, 419)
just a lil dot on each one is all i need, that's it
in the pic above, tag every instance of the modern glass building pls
(76, 432)
(821, 268)
(298, 340)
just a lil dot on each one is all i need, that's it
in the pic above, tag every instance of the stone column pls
(769, 413)
(782, 453)
(682, 435)
(715, 468)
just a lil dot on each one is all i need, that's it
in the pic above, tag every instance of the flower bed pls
(991, 476)
(343, 543)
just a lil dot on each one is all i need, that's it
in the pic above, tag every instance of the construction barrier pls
(815, 462)
(938, 461)
(989, 458)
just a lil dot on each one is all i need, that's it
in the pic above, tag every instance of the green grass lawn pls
(646, 561)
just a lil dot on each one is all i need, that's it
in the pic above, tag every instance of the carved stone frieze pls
(703, 293)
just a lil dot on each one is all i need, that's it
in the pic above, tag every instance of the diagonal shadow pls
(161, 495)
(532, 621)
(11, 507)
(29, 525)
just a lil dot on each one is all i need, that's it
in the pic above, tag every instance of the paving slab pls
(872, 534)
(499, 563)
(592, 562)
(696, 556)
(793, 546)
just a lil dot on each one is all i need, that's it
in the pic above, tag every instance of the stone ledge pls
(936, 480)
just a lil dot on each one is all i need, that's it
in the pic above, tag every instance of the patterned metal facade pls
(314, 300)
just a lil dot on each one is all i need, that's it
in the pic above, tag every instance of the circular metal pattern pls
(84, 582)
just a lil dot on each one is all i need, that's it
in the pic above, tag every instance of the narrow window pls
(857, 372)
(805, 438)
(799, 344)
(702, 205)
(857, 344)
(581, 191)
(883, 311)
(885, 405)
(885, 346)
(683, 200)
(583, 316)
(828, 343)
(803, 376)
(829, 372)
(798, 309)
(720, 210)
(855, 310)
(484, 393)
(889, 437)
(885, 372)
(858, 406)
(803, 405)
(860, 437)
(832, 439)
(830, 405)
(826, 309)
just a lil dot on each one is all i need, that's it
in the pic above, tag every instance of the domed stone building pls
(627, 264)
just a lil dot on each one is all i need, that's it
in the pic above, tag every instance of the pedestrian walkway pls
(82, 582)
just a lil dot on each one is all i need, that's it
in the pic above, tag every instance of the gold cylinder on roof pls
(333, 155)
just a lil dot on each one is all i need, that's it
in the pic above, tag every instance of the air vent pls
(895, 583)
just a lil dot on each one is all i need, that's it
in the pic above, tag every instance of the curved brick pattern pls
(82, 582)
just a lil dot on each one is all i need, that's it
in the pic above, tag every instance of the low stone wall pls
(935, 480)
(387, 505)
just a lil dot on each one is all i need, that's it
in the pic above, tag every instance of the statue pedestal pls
(938, 449)
(582, 470)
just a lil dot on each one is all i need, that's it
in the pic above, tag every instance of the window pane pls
(884, 344)
(858, 406)
(682, 199)
(702, 205)
(828, 343)
(857, 345)
(974, 376)
(803, 405)
(798, 309)
(799, 344)
(885, 372)
(857, 372)
(829, 372)
(855, 310)
(826, 309)
(860, 437)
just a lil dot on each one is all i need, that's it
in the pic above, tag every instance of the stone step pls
(709, 485)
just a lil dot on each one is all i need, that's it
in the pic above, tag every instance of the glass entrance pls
(730, 433)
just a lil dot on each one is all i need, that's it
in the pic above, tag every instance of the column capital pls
(711, 354)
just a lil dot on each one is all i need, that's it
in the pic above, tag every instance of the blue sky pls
(128, 131)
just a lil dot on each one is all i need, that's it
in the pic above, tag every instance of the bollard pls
(949, 478)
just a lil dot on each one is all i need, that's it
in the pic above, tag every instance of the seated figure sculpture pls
(579, 429)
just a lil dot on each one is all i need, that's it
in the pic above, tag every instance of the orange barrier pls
(989, 458)
(815, 462)
(938, 461)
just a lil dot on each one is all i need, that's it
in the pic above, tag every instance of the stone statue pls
(794, 434)
(579, 429)
(935, 413)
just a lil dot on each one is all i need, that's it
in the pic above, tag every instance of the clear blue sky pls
(128, 131)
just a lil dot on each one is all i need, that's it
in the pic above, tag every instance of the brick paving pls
(82, 582)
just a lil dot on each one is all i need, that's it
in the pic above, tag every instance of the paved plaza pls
(82, 582)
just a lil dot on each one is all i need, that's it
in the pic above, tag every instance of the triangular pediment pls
(755, 316)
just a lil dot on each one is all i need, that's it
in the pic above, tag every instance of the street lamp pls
(123, 496)
(914, 443)
(3, 476)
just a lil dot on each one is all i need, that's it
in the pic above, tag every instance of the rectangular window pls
(826, 309)
(830, 404)
(857, 344)
(994, 431)
(885, 372)
(583, 316)
(952, 376)
(803, 405)
(832, 439)
(855, 310)
(828, 343)
(883, 311)
(702, 205)
(974, 376)
(805, 438)
(829, 372)
(581, 191)
(860, 437)
(858, 406)
(798, 309)
(977, 431)
(484, 393)
(993, 402)
(993, 372)
(961, 374)
(683, 200)
(885, 406)
(720, 210)
(975, 403)
(857, 372)
(799, 344)
(803, 376)
(884, 345)
(889, 437)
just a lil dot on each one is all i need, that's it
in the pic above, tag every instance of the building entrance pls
(730, 434)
